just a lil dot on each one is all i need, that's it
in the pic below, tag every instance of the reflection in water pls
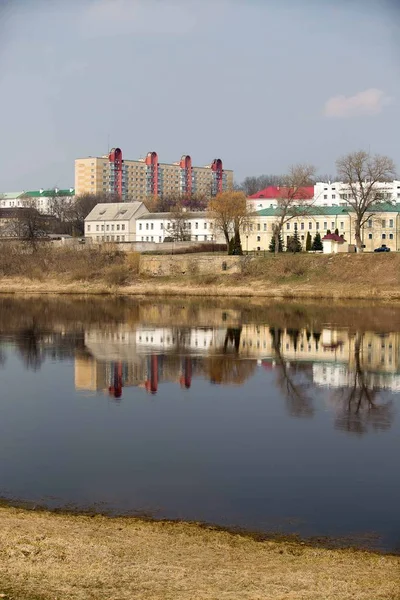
(263, 449)
(356, 366)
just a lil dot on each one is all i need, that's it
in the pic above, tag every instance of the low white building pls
(160, 227)
(333, 244)
(43, 200)
(114, 221)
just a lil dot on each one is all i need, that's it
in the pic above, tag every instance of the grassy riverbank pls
(44, 556)
(91, 271)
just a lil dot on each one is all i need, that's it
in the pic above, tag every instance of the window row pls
(107, 227)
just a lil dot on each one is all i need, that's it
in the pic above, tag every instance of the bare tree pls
(293, 200)
(179, 228)
(362, 174)
(230, 214)
(28, 224)
(252, 185)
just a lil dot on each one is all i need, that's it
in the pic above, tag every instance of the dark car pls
(383, 248)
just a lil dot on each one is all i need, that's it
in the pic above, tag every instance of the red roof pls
(334, 237)
(273, 192)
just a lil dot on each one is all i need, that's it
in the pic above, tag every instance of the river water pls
(271, 417)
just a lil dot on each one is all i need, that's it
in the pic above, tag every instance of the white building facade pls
(114, 222)
(161, 227)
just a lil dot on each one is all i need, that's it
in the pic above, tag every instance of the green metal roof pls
(321, 211)
(48, 193)
(10, 195)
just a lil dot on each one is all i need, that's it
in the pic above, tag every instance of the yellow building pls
(382, 226)
(146, 177)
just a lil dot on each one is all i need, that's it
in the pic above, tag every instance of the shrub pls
(117, 275)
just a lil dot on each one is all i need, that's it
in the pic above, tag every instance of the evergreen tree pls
(308, 242)
(328, 232)
(272, 244)
(317, 243)
(336, 231)
(294, 244)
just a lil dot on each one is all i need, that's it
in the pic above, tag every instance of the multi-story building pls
(42, 200)
(114, 222)
(382, 226)
(147, 177)
(321, 194)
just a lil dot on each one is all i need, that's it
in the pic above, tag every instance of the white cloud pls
(367, 103)
(119, 17)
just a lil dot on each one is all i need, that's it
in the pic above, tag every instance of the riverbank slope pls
(46, 556)
(340, 276)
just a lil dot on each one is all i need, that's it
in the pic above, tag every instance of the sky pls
(259, 83)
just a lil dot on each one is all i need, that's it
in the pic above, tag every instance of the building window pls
(151, 225)
(205, 225)
(302, 238)
(112, 227)
(161, 225)
(325, 196)
(333, 224)
(265, 227)
(301, 225)
(258, 238)
(317, 225)
(384, 236)
(97, 227)
(117, 238)
(123, 227)
(108, 227)
(342, 225)
(333, 197)
(390, 236)
(390, 222)
(258, 226)
(325, 225)
(383, 222)
(102, 227)
(309, 225)
(370, 223)
(147, 225)
(287, 225)
(196, 226)
(88, 227)
(370, 236)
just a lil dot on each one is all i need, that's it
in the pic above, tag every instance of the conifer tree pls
(317, 243)
(294, 244)
(272, 244)
(308, 242)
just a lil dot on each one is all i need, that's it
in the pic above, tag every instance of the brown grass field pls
(90, 271)
(47, 556)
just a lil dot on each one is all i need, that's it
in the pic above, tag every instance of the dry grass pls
(94, 271)
(46, 556)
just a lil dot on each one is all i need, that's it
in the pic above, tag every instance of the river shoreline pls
(161, 288)
(47, 555)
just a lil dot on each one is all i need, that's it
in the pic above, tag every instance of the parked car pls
(383, 248)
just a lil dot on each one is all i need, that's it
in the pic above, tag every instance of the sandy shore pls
(51, 556)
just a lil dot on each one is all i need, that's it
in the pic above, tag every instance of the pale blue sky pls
(260, 83)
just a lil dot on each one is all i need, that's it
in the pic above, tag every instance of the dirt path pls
(45, 556)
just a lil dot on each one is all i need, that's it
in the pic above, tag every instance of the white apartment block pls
(325, 194)
(114, 222)
(160, 227)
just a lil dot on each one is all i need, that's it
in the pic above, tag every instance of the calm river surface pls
(274, 417)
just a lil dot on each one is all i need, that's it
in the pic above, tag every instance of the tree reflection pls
(229, 368)
(28, 344)
(290, 379)
(359, 404)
